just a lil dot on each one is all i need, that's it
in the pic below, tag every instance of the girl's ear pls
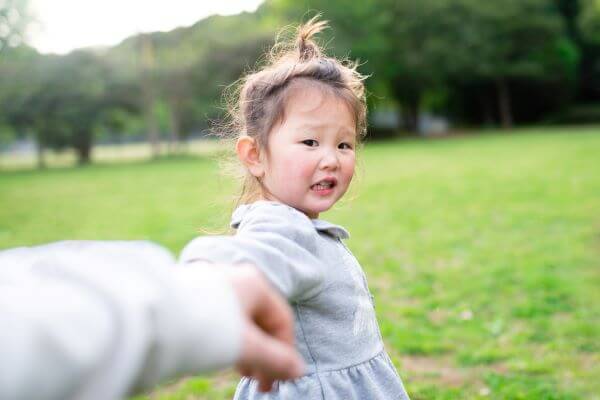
(248, 153)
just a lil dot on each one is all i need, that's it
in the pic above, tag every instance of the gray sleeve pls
(279, 241)
(98, 320)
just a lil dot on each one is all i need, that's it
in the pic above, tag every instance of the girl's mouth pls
(324, 187)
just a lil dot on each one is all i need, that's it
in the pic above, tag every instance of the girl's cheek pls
(309, 167)
(300, 165)
(294, 166)
(350, 167)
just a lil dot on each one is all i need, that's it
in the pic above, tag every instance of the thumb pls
(268, 359)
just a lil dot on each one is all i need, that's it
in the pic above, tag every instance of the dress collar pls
(332, 229)
(319, 224)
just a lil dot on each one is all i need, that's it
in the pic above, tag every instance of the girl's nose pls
(330, 160)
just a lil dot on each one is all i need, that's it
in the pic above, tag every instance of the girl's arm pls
(278, 240)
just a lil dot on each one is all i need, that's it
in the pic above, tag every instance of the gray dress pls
(335, 326)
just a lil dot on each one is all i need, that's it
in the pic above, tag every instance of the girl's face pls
(310, 159)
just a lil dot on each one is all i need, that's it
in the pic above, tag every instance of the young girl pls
(300, 121)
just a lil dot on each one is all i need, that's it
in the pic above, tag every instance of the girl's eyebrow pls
(348, 131)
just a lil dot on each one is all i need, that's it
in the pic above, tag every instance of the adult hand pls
(268, 352)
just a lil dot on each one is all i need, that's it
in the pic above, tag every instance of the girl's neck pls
(270, 197)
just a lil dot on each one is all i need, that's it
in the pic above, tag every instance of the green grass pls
(483, 251)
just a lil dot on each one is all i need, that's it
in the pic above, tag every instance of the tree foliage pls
(475, 62)
(65, 101)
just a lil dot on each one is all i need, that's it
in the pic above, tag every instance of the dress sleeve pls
(278, 240)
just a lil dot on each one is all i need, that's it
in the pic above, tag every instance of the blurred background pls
(476, 211)
(434, 66)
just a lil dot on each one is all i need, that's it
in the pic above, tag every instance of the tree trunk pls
(39, 151)
(409, 96)
(488, 110)
(153, 135)
(83, 148)
(148, 93)
(84, 155)
(175, 127)
(504, 104)
(411, 116)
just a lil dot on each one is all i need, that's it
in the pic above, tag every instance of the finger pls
(265, 356)
(244, 370)
(265, 384)
(274, 359)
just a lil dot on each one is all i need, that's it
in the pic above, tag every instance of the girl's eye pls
(310, 142)
(345, 146)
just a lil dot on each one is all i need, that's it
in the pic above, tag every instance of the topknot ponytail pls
(307, 49)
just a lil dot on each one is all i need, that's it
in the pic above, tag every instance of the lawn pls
(483, 251)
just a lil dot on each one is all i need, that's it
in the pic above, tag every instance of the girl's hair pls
(261, 96)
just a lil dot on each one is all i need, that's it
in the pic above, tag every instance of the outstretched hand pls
(268, 352)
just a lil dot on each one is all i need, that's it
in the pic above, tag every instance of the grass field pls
(483, 251)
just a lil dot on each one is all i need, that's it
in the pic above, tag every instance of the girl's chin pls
(314, 211)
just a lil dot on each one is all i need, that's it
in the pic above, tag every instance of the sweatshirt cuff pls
(213, 338)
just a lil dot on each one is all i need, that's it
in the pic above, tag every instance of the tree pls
(403, 45)
(221, 69)
(588, 24)
(424, 47)
(175, 87)
(20, 71)
(72, 102)
(14, 18)
(520, 40)
(192, 94)
(436, 43)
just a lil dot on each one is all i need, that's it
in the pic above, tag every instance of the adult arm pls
(100, 320)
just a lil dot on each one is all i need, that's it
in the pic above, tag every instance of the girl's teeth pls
(322, 186)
